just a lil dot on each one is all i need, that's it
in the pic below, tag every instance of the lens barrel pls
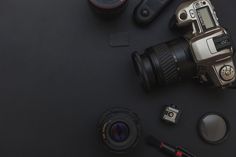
(164, 64)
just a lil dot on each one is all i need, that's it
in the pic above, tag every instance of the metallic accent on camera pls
(209, 42)
(227, 73)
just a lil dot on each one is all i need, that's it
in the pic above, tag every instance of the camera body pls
(210, 44)
(204, 52)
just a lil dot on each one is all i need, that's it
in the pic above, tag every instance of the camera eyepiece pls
(164, 64)
(119, 130)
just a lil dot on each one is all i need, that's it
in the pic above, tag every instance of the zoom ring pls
(168, 66)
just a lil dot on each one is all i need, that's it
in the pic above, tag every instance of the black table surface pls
(58, 74)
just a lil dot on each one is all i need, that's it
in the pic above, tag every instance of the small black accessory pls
(148, 10)
(171, 114)
(108, 8)
(213, 128)
(168, 149)
(119, 130)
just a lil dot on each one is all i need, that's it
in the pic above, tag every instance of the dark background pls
(58, 74)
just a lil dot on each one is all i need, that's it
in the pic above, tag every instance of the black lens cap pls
(119, 130)
(213, 128)
(109, 8)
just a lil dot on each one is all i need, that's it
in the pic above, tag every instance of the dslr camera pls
(204, 51)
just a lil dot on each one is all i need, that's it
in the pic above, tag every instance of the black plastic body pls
(148, 10)
(164, 64)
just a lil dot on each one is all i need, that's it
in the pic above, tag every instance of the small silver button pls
(192, 14)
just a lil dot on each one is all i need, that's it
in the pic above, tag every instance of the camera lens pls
(164, 64)
(119, 130)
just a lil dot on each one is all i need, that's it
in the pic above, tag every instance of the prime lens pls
(164, 64)
(119, 130)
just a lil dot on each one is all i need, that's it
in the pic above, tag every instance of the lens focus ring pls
(165, 64)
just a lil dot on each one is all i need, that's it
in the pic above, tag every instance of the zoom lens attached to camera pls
(205, 52)
(119, 130)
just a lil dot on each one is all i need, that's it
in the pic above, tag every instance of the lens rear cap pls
(213, 128)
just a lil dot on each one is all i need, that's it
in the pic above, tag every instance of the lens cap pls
(119, 130)
(213, 128)
(108, 8)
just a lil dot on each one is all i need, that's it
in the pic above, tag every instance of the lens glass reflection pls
(119, 132)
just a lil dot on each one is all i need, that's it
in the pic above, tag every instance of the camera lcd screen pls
(206, 18)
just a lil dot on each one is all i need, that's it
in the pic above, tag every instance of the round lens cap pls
(213, 128)
(108, 7)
